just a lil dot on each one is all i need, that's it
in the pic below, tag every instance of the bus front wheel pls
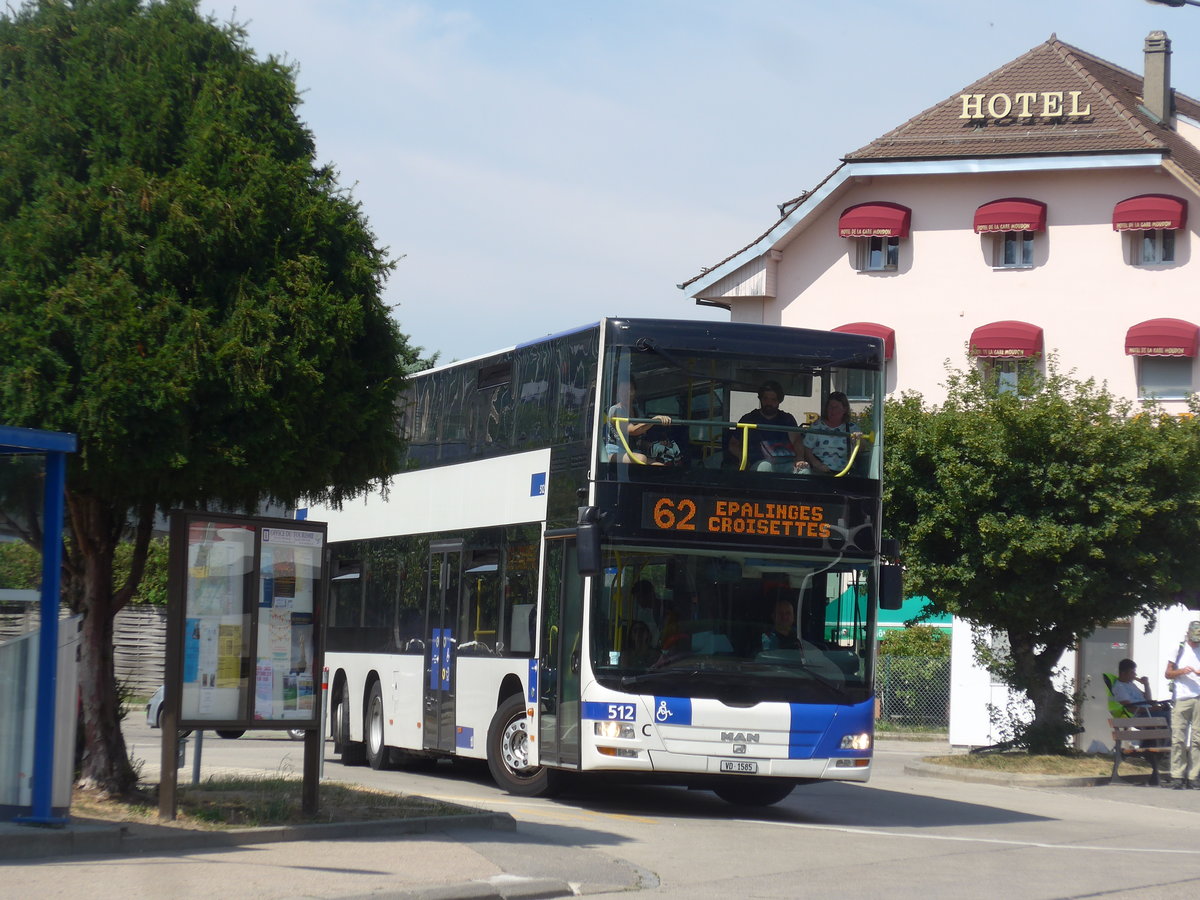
(752, 792)
(352, 752)
(508, 753)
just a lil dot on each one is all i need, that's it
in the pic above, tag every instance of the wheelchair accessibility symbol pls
(662, 714)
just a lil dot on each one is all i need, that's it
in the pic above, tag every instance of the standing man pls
(1184, 672)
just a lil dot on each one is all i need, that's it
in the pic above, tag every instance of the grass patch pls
(249, 802)
(1082, 764)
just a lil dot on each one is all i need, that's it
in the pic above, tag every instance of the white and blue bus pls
(565, 578)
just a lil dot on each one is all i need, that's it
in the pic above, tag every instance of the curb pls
(19, 842)
(1007, 779)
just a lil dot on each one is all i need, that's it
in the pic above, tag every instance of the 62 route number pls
(675, 514)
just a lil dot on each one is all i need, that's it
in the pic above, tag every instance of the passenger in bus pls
(641, 652)
(769, 450)
(626, 407)
(826, 443)
(647, 607)
(781, 634)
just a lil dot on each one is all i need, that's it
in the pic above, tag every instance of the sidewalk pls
(470, 856)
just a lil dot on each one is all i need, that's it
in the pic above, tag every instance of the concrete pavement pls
(477, 855)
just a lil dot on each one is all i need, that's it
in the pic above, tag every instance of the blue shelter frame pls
(54, 447)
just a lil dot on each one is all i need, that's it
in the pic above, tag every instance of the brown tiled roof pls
(1116, 124)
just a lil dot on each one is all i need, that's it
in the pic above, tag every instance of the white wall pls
(1080, 290)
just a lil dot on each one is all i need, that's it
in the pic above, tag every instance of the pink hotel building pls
(1042, 209)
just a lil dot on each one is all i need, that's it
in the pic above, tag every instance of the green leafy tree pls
(1042, 514)
(183, 287)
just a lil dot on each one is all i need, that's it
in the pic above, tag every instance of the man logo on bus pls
(662, 714)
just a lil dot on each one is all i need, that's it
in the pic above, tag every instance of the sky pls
(534, 166)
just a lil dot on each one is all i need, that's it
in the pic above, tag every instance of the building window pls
(1164, 377)
(1152, 247)
(856, 384)
(1010, 375)
(878, 254)
(1013, 250)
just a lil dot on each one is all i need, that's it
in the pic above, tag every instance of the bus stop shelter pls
(39, 687)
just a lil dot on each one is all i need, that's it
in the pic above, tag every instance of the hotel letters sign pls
(1024, 105)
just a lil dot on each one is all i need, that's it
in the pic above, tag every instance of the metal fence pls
(913, 693)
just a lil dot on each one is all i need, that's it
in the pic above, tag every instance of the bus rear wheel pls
(377, 751)
(508, 753)
(351, 751)
(752, 792)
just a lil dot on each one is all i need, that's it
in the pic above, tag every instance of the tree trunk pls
(105, 763)
(1033, 673)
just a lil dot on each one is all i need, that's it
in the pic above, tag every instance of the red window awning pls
(1012, 214)
(1006, 340)
(875, 220)
(1162, 337)
(1150, 211)
(871, 329)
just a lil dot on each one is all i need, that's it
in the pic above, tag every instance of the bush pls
(20, 566)
(21, 569)
(916, 640)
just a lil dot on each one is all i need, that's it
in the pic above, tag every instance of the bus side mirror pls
(587, 541)
(891, 587)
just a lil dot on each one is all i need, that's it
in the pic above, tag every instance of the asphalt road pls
(897, 836)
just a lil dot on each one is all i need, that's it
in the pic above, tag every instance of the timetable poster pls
(290, 572)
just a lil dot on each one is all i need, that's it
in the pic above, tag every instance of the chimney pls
(1156, 85)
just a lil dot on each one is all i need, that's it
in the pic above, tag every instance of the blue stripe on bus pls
(614, 712)
(817, 729)
(435, 658)
(673, 710)
(464, 738)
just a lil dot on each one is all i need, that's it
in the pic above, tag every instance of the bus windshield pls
(733, 626)
(741, 411)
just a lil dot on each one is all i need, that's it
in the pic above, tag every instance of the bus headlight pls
(609, 729)
(857, 741)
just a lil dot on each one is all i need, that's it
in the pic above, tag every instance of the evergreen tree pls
(183, 287)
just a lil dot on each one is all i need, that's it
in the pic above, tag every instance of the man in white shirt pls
(1184, 672)
(1133, 692)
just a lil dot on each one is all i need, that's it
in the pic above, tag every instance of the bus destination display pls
(710, 515)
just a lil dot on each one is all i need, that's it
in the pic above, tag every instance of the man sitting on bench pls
(1137, 700)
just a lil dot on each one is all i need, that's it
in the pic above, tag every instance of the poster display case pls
(246, 594)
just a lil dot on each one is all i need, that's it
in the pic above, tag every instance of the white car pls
(154, 718)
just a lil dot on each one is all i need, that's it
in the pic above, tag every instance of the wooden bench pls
(1130, 737)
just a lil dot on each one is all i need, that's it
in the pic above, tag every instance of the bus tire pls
(377, 751)
(352, 752)
(508, 753)
(230, 735)
(753, 792)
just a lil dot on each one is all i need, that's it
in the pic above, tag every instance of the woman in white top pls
(827, 440)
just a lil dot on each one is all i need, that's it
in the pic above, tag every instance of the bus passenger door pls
(442, 615)
(560, 656)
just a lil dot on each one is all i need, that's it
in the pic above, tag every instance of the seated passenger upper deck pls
(751, 402)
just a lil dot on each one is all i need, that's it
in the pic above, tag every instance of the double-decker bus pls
(567, 578)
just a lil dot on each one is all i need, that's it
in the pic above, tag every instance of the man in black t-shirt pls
(770, 450)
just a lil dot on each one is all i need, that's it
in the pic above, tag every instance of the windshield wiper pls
(657, 674)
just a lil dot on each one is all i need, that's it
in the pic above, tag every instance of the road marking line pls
(968, 840)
